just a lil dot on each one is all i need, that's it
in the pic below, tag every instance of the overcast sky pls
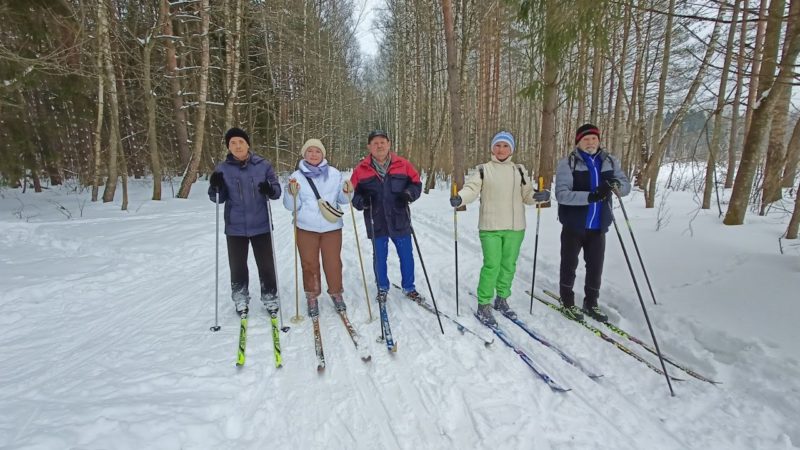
(367, 34)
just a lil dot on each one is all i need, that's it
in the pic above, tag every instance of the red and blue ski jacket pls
(385, 200)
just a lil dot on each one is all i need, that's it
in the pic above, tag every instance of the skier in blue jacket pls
(245, 182)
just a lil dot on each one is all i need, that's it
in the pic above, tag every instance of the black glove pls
(266, 189)
(600, 194)
(542, 196)
(614, 183)
(405, 196)
(217, 181)
(455, 201)
(361, 202)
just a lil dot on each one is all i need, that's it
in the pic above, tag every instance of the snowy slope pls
(106, 340)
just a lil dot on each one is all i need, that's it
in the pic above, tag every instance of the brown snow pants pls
(310, 245)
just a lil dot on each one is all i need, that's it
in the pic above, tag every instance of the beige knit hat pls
(312, 143)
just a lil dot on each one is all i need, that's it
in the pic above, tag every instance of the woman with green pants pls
(504, 190)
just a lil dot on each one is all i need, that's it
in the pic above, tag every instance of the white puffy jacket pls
(309, 217)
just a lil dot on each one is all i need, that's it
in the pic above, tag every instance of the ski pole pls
(285, 329)
(297, 318)
(454, 192)
(536, 243)
(375, 261)
(216, 280)
(641, 302)
(360, 259)
(425, 271)
(635, 245)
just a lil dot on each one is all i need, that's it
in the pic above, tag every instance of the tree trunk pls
(179, 114)
(752, 88)
(759, 129)
(776, 152)
(792, 157)
(200, 125)
(658, 119)
(150, 104)
(233, 40)
(597, 82)
(580, 94)
(114, 146)
(454, 92)
(552, 60)
(713, 151)
(776, 149)
(772, 35)
(619, 133)
(98, 133)
(740, 70)
(794, 222)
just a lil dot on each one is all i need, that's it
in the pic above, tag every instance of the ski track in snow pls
(106, 345)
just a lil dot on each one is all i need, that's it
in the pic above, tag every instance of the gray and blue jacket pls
(576, 176)
(246, 211)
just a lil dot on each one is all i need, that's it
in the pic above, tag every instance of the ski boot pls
(338, 302)
(485, 315)
(501, 304)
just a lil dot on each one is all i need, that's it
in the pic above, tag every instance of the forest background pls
(95, 92)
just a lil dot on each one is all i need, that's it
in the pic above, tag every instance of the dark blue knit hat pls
(236, 132)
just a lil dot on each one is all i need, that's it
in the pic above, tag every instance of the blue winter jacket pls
(246, 211)
(575, 180)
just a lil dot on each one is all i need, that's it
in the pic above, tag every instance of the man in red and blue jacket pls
(384, 184)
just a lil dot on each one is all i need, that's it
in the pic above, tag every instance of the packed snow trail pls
(106, 345)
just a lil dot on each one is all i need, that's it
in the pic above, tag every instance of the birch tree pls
(200, 123)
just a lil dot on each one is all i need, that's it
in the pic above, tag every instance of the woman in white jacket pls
(504, 189)
(318, 189)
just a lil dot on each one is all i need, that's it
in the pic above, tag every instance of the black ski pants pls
(237, 259)
(593, 244)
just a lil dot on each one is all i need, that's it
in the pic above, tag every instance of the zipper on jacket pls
(513, 203)
(241, 196)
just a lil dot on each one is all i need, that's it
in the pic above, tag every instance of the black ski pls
(646, 346)
(604, 337)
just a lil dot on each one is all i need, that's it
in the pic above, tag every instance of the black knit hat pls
(375, 133)
(236, 132)
(585, 130)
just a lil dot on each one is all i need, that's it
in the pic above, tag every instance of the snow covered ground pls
(106, 342)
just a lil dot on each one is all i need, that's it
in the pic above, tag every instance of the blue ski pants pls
(379, 258)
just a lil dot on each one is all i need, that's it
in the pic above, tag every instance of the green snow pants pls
(500, 252)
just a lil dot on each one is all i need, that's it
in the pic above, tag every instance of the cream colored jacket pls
(503, 191)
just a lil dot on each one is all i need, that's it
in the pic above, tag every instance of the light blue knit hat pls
(504, 136)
